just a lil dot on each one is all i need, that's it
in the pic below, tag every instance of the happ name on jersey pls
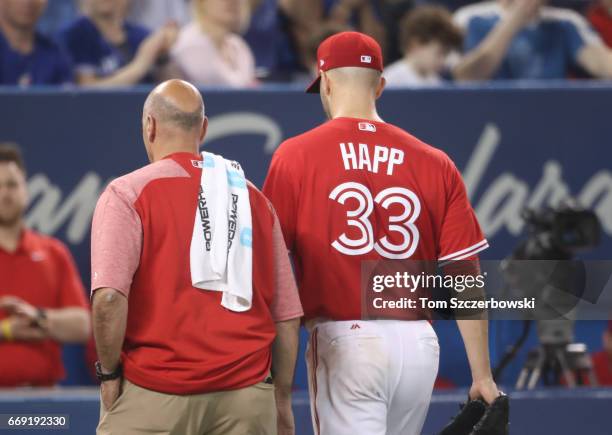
(359, 157)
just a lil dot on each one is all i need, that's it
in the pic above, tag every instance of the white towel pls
(221, 252)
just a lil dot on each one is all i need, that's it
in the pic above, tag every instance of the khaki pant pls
(248, 411)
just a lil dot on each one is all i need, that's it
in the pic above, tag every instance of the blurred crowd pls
(244, 43)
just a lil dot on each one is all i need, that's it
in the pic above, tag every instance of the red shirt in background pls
(601, 20)
(41, 272)
(602, 365)
(179, 339)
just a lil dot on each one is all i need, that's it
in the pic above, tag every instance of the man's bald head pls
(173, 119)
(176, 103)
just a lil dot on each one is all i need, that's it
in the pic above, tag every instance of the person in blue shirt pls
(109, 51)
(26, 56)
(525, 39)
(306, 17)
(265, 37)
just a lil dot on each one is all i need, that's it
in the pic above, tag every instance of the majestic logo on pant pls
(204, 218)
(355, 326)
(233, 219)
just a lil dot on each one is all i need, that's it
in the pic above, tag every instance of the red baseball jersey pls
(353, 190)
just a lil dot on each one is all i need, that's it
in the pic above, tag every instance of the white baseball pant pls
(371, 377)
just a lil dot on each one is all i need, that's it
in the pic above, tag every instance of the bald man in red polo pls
(173, 360)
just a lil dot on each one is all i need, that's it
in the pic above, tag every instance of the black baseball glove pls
(496, 418)
(464, 422)
(476, 418)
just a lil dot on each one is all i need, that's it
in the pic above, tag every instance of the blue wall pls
(558, 412)
(516, 145)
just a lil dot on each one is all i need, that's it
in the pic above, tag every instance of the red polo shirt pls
(179, 339)
(42, 272)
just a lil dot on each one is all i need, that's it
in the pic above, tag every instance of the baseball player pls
(354, 189)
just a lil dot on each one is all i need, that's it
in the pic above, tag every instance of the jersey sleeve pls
(282, 189)
(460, 236)
(72, 291)
(286, 304)
(116, 241)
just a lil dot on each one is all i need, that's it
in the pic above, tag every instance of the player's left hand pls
(485, 389)
(18, 307)
(284, 415)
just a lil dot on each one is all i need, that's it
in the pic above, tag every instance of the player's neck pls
(354, 103)
(173, 148)
(366, 113)
(10, 235)
(20, 39)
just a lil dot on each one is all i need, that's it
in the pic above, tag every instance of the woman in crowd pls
(210, 50)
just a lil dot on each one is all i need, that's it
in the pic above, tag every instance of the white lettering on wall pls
(50, 210)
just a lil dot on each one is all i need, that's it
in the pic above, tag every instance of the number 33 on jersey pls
(353, 190)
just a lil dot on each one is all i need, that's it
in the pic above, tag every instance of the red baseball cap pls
(347, 49)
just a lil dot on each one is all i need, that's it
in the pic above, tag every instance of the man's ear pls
(325, 85)
(203, 129)
(381, 86)
(151, 128)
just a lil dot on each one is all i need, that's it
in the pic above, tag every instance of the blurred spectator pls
(155, 14)
(57, 14)
(26, 56)
(307, 16)
(600, 16)
(427, 36)
(602, 361)
(42, 299)
(109, 51)
(269, 41)
(209, 51)
(523, 39)
(392, 12)
(364, 15)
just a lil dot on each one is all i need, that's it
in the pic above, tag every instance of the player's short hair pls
(10, 152)
(356, 76)
(425, 24)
